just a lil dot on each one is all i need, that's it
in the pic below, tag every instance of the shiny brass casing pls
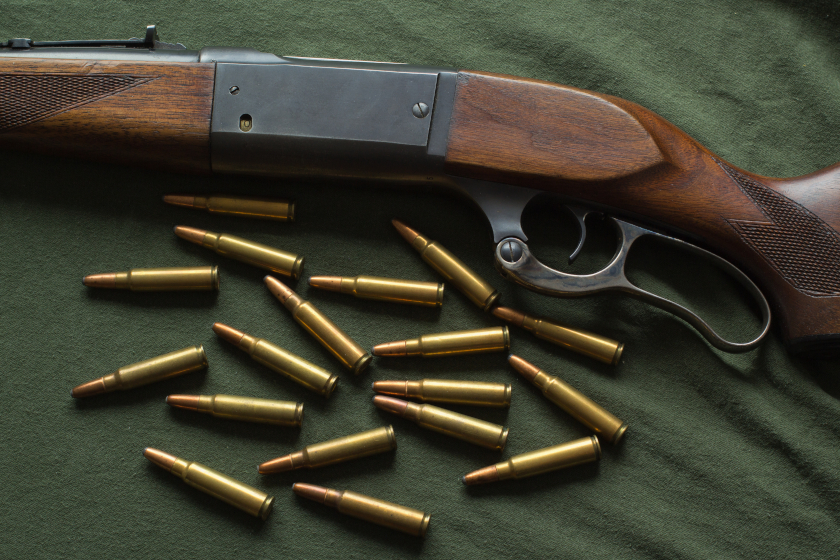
(492, 339)
(383, 289)
(475, 393)
(334, 451)
(158, 279)
(248, 409)
(244, 206)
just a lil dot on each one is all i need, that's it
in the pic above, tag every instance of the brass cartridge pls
(350, 354)
(283, 362)
(408, 520)
(245, 206)
(599, 347)
(334, 451)
(577, 452)
(593, 416)
(249, 409)
(257, 254)
(148, 371)
(212, 482)
(492, 339)
(383, 289)
(447, 265)
(476, 393)
(157, 279)
(461, 426)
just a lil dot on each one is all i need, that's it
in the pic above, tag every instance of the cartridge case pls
(227, 489)
(412, 292)
(285, 363)
(244, 206)
(476, 393)
(157, 279)
(453, 270)
(351, 355)
(581, 407)
(148, 371)
(257, 254)
(248, 409)
(461, 426)
(492, 339)
(577, 452)
(334, 451)
(598, 347)
(405, 519)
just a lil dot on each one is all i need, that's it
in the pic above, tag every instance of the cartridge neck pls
(211, 240)
(332, 497)
(543, 380)
(420, 243)
(348, 286)
(293, 302)
(180, 468)
(413, 411)
(413, 347)
(122, 280)
(298, 459)
(112, 381)
(414, 389)
(205, 403)
(248, 343)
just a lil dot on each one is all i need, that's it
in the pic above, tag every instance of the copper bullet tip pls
(408, 234)
(179, 200)
(390, 404)
(390, 349)
(104, 280)
(528, 370)
(193, 235)
(280, 464)
(310, 492)
(89, 389)
(512, 316)
(481, 476)
(331, 283)
(228, 333)
(190, 402)
(398, 388)
(278, 288)
(159, 458)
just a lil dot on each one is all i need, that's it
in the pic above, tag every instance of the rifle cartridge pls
(383, 289)
(148, 371)
(157, 279)
(334, 451)
(249, 409)
(350, 354)
(250, 252)
(598, 347)
(244, 206)
(283, 362)
(227, 489)
(569, 454)
(476, 393)
(461, 426)
(405, 519)
(492, 339)
(581, 407)
(450, 267)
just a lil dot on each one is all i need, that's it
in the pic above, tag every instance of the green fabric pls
(726, 456)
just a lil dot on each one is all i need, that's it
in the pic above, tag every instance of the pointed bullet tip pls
(407, 233)
(193, 235)
(89, 389)
(278, 288)
(228, 333)
(396, 348)
(331, 283)
(390, 404)
(527, 369)
(104, 280)
(179, 200)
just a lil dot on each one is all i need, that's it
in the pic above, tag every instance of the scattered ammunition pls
(145, 372)
(249, 409)
(333, 451)
(383, 289)
(476, 393)
(157, 279)
(492, 339)
(572, 401)
(461, 426)
(577, 452)
(408, 520)
(245, 206)
(283, 362)
(325, 331)
(212, 482)
(601, 348)
(257, 254)
(447, 265)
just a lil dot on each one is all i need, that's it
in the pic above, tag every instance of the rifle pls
(502, 141)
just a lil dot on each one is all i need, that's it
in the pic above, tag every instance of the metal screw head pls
(420, 110)
(234, 90)
(510, 251)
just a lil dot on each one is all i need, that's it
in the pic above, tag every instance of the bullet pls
(257, 254)
(476, 393)
(249, 409)
(593, 416)
(285, 363)
(350, 354)
(408, 520)
(599, 347)
(447, 265)
(244, 206)
(577, 452)
(212, 482)
(461, 426)
(334, 451)
(429, 294)
(493, 339)
(148, 371)
(157, 279)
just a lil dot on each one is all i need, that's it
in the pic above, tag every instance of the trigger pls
(580, 213)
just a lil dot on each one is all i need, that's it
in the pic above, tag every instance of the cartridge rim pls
(508, 393)
(392, 437)
(299, 413)
(596, 447)
(439, 302)
(291, 211)
(503, 439)
(200, 349)
(506, 334)
(297, 268)
(214, 276)
(329, 387)
(619, 433)
(424, 525)
(617, 355)
(362, 364)
(266, 508)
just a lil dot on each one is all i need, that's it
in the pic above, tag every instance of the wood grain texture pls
(155, 114)
(615, 154)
